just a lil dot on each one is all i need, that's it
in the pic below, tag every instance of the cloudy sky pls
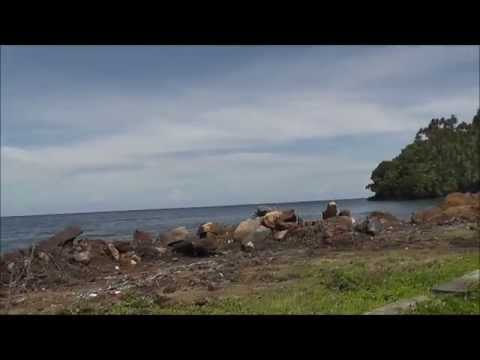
(92, 128)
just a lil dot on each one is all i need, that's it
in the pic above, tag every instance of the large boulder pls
(345, 212)
(196, 247)
(174, 235)
(427, 216)
(141, 237)
(262, 211)
(245, 228)
(336, 229)
(122, 246)
(330, 211)
(211, 230)
(63, 237)
(256, 239)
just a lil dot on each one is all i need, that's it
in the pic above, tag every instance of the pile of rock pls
(456, 207)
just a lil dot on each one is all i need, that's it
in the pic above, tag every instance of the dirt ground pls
(50, 287)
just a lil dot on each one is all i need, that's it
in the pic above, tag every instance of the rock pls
(248, 246)
(261, 212)
(331, 210)
(337, 230)
(427, 216)
(141, 237)
(205, 247)
(122, 246)
(345, 212)
(169, 289)
(113, 251)
(212, 286)
(161, 250)
(148, 251)
(211, 229)
(201, 301)
(83, 257)
(174, 235)
(461, 199)
(384, 217)
(374, 226)
(456, 207)
(245, 228)
(11, 267)
(270, 219)
(43, 256)
(279, 235)
(63, 237)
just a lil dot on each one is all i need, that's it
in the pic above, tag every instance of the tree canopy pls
(443, 158)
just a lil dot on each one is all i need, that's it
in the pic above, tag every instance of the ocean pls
(22, 231)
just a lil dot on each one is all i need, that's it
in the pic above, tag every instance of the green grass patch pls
(330, 287)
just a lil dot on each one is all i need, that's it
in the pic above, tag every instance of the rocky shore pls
(179, 265)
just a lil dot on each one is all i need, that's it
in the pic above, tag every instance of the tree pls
(443, 158)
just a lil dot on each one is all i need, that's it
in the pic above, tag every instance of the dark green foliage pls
(443, 158)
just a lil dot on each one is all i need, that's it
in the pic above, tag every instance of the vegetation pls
(338, 286)
(444, 158)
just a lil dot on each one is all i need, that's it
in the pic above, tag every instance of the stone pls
(147, 251)
(161, 250)
(345, 212)
(63, 237)
(82, 257)
(212, 286)
(245, 228)
(211, 229)
(141, 237)
(113, 251)
(122, 246)
(169, 289)
(248, 246)
(374, 226)
(43, 256)
(270, 219)
(11, 267)
(174, 235)
(262, 211)
(280, 235)
(331, 210)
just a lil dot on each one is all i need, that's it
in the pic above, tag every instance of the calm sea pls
(22, 231)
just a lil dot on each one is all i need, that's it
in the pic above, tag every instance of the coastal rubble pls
(456, 207)
(172, 260)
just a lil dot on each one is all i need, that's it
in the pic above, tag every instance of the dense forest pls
(443, 158)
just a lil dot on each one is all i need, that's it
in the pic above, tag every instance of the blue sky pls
(92, 128)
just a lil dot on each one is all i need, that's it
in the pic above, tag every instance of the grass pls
(337, 286)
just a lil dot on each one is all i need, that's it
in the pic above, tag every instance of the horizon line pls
(185, 207)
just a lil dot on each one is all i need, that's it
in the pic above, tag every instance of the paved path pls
(460, 285)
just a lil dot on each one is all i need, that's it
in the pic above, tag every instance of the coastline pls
(45, 279)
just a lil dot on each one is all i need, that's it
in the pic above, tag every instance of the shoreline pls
(64, 273)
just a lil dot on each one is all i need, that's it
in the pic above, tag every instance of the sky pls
(98, 128)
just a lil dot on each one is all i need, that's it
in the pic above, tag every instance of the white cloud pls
(131, 161)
